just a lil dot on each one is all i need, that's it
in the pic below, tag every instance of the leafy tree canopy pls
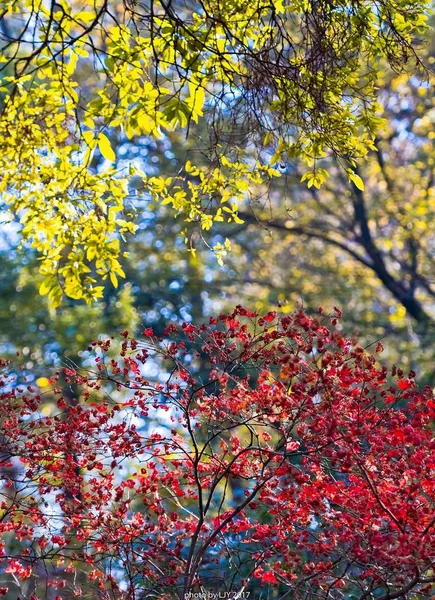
(271, 80)
(332, 455)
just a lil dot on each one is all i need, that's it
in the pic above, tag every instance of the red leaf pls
(405, 384)
(269, 577)
(269, 317)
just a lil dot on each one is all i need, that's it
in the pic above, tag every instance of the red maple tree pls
(295, 462)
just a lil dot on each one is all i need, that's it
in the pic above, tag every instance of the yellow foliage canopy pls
(278, 79)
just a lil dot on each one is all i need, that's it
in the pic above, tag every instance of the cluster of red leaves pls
(295, 461)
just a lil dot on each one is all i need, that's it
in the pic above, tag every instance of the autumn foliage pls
(249, 452)
(253, 85)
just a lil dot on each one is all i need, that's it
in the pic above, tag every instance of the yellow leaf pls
(267, 138)
(85, 16)
(356, 180)
(196, 101)
(46, 286)
(88, 136)
(105, 147)
(114, 280)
